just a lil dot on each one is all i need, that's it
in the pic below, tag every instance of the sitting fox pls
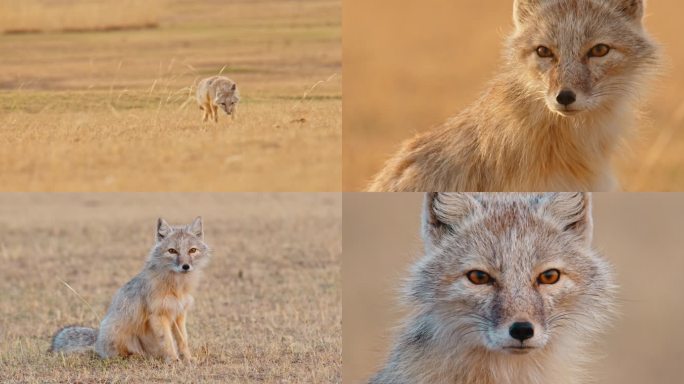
(510, 291)
(555, 115)
(217, 92)
(147, 315)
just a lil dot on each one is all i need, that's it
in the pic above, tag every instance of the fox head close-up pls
(179, 249)
(581, 55)
(512, 274)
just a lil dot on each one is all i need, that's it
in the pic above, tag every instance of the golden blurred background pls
(408, 68)
(641, 234)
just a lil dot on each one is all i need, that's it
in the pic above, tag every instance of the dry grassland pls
(267, 310)
(113, 111)
(409, 68)
(37, 16)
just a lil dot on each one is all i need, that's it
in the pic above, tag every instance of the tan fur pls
(217, 92)
(517, 137)
(148, 314)
(459, 332)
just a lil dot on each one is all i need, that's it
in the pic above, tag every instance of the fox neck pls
(547, 145)
(169, 282)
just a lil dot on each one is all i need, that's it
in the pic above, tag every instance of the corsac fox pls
(217, 91)
(147, 315)
(554, 117)
(509, 291)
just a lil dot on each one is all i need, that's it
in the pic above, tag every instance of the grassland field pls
(267, 309)
(114, 110)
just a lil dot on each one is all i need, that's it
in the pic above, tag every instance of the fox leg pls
(205, 113)
(214, 109)
(181, 334)
(161, 327)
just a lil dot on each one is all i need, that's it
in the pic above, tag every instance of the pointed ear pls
(444, 211)
(196, 227)
(163, 229)
(233, 87)
(572, 210)
(633, 9)
(523, 10)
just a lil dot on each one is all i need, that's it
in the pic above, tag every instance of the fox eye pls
(172, 251)
(599, 50)
(543, 51)
(192, 250)
(479, 278)
(549, 277)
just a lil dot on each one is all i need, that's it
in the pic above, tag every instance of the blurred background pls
(267, 309)
(408, 68)
(99, 95)
(641, 234)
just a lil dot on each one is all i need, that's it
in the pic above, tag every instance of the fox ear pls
(443, 211)
(196, 227)
(634, 9)
(572, 210)
(523, 10)
(233, 87)
(163, 229)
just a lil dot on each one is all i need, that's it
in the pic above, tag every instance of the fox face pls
(511, 273)
(179, 249)
(227, 99)
(581, 55)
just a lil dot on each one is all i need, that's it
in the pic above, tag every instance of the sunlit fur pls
(458, 331)
(517, 137)
(217, 92)
(147, 315)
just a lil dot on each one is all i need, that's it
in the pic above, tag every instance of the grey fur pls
(161, 290)
(458, 331)
(217, 92)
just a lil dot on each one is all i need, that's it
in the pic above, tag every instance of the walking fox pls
(217, 91)
(147, 315)
(554, 117)
(510, 291)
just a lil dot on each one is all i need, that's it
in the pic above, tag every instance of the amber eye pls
(543, 51)
(549, 277)
(192, 250)
(479, 277)
(599, 50)
(173, 251)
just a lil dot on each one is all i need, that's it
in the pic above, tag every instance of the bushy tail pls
(74, 339)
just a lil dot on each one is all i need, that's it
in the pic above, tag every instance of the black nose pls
(186, 267)
(521, 331)
(566, 97)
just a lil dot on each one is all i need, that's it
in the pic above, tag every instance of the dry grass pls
(399, 81)
(32, 16)
(112, 111)
(267, 311)
(640, 233)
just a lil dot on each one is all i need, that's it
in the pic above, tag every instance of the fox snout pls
(518, 336)
(521, 330)
(183, 264)
(566, 97)
(566, 101)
